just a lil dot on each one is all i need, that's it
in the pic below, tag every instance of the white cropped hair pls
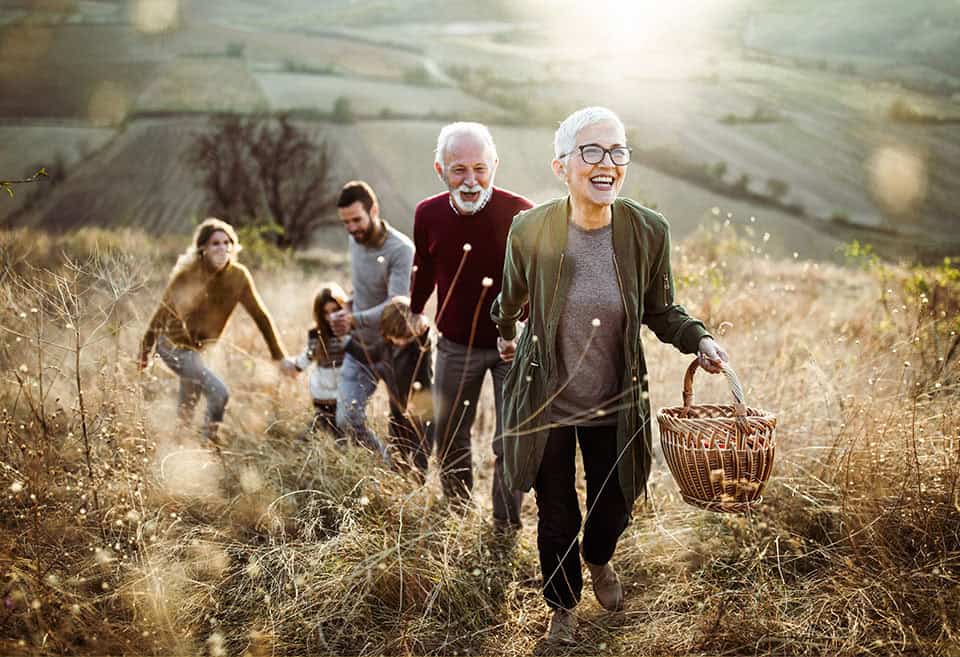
(565, 139)
(452, 130)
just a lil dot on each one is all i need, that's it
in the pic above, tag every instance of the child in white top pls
(325, 350)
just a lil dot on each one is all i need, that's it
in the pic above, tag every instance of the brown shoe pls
(606, 586)
(563, 627)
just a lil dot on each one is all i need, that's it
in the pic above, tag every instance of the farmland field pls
(160, 193)
(210, 84)
(27, 147)
(58, 71)
(693, 94)
(829, 127)
(138, 180)
(288, 91)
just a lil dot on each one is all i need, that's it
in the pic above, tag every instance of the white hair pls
(565, 139)
(449, 131)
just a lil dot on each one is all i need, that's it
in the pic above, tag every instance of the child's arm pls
(303, 359)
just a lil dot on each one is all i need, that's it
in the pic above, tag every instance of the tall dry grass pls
(120, 532)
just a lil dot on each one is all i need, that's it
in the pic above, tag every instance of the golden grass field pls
(121, 533)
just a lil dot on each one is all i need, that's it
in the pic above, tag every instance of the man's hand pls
(712, 355)
(419, 324)
(507, 349)
(341, 322)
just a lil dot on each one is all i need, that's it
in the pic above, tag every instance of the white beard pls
(470, 207)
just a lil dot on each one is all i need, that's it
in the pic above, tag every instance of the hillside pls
(887, 38)
(118, 187)
(821, 154)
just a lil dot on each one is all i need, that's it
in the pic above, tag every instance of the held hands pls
(341, 322)
(419, 324)
(288, 367)
(711, 356)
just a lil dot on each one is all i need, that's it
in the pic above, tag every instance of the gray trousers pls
(458, 377)
(195, 379)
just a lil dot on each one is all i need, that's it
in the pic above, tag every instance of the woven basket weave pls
(720, 455)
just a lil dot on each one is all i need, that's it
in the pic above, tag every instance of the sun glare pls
(639, 37)
(154, 16)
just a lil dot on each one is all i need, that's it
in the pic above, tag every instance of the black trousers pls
(558, 509)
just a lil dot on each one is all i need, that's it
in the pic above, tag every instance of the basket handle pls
(740, 407)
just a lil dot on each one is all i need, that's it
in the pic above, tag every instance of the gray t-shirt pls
(378, 273)
(593, 355)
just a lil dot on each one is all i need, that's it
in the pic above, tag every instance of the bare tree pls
(264, 171)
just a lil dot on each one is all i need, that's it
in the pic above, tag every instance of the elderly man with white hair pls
(460, 237)
(590, 268)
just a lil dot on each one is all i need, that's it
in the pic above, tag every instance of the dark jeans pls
(558, 509)
(325, 417)
(400, 369)
(460, 374)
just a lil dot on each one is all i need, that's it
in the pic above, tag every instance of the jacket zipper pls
(623, 300)
(556, 288)
(553, 300)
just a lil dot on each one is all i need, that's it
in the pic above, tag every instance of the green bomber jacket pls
(533, 273)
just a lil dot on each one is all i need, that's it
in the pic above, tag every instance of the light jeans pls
(195, 378)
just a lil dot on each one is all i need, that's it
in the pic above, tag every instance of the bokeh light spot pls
(898, 178)
(108, 105)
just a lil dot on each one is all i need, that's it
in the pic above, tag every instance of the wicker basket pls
(719, 454)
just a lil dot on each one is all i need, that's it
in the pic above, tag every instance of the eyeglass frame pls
(606, 151)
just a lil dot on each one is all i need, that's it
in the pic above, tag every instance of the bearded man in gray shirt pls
(381, 258)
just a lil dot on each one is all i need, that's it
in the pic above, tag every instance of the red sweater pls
(439, 235)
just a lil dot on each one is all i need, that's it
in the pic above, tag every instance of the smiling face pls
(593, 184)
(216, 251)
(469, 168)
(361, 225)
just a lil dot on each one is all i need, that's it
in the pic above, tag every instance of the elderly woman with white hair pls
(592, 267)
(205, 286)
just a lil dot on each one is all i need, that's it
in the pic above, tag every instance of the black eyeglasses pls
(594, 154)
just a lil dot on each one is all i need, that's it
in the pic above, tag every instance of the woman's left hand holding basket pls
(711, 355)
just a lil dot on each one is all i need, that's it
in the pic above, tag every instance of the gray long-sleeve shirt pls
(378, 273)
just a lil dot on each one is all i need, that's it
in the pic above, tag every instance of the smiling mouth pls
(602, 182)
(469, 196)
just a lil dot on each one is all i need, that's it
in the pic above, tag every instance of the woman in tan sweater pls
(204, 287)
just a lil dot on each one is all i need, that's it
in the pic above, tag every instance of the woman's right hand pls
(507, 349)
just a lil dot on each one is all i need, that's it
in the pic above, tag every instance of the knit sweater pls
(197, 304)
(440, 235)
(379, 271)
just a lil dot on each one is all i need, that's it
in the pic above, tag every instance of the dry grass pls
(120, 533)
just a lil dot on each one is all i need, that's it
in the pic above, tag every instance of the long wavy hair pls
(194, 253)
(328, 292)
